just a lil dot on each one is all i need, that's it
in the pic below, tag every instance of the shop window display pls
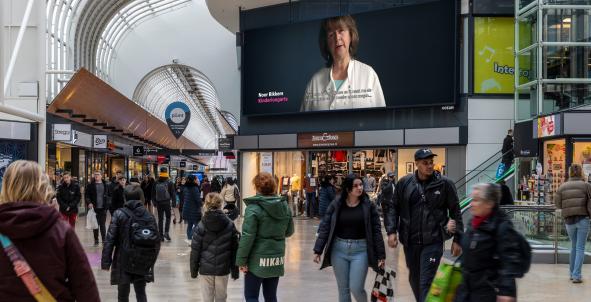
(554, 167)
(582, 155)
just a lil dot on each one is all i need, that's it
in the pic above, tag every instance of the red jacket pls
(51, 248)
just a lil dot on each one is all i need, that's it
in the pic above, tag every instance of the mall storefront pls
(339, 154)
(562, 139)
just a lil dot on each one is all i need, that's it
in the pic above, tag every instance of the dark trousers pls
(101, 217)
(252, 287)
(164, 211)
(422, 262)
(138, 286)
(311, 204)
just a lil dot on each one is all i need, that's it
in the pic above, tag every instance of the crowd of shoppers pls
(421, 211)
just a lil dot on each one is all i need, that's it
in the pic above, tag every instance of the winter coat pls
(68, 197)
(118, 199)
(205, 188)
(214, 246)
(490, 260)
(442, 200)
(118, 239)
(147, 187)
(376, 249)
(51, 248)
(90, 194)
(191, 197)
(325, 196)
(573, 198)
(228, 193)
(267, 222)
(507, 150)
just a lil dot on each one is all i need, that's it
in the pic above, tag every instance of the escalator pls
(485, 172)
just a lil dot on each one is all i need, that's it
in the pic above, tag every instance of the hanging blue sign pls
(177, 117)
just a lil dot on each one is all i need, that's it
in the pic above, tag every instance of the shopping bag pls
(446, 282)
(383, 287)
(500, 170)
(91, 222)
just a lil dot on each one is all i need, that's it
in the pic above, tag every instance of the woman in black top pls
(350, 235)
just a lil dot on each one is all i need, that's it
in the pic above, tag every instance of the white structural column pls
(22, 65)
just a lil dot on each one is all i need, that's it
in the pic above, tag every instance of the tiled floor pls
(303, 280)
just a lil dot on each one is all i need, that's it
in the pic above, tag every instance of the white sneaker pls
(187, 241)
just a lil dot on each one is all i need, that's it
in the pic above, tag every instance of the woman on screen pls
(344, 83)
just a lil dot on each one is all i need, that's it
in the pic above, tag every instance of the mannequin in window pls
(311, 204)
(296, 187)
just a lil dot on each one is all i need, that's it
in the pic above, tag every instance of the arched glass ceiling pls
(231, 120)
(123, 22)
(84, 33)
(175, 82)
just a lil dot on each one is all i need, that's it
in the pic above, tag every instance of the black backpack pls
(144, 243)
(525, 253)
(162, 193)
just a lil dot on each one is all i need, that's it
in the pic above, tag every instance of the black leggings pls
(140, 291)
(252, 287)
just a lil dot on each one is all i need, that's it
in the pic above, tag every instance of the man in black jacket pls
(118, 250)
(98, 197)
(507, 150)
(68, 197)
(418, 212)
(163, 193)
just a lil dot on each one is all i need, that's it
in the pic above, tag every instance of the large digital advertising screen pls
(399, 57)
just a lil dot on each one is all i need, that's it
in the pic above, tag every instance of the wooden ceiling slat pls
(87, 94)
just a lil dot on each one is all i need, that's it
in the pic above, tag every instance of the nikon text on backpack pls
(144, 243)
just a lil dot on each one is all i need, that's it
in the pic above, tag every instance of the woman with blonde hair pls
(28, 225)
(213, 250)
(573, 198)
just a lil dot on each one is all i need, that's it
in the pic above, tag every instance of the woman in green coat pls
(261, 253)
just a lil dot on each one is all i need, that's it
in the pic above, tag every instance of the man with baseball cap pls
(418, 214)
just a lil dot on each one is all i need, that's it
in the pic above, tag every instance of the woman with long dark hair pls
(350, 236)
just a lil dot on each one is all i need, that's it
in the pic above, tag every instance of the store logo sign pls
(177, 117)
(61, 132)
(99, 142)
(325, 139)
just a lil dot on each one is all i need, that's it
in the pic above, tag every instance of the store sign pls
(177, 117)
(494, 62)
(61, 132)
(266, 162)
(325, 139)
(81, 139)
(183, 164)
(548, 126)
(226, 143)
(138, 150)
(99, 142)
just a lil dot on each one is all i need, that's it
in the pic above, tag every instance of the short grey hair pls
(488, 191)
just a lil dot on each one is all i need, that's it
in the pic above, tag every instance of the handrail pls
(480, 170)
(477, 167)
(465, 202)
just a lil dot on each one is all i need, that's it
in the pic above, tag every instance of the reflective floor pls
(303, 280)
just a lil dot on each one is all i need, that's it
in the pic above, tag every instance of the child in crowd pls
(213, 250)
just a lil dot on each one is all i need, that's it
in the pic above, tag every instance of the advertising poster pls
(494, 63)
(266, 162)
(398, 57)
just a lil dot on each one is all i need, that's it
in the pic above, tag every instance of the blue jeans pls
(252, 287)
(190, 225)
(577, 233)
(349, 261)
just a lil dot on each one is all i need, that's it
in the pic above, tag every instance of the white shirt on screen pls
(361, 89)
